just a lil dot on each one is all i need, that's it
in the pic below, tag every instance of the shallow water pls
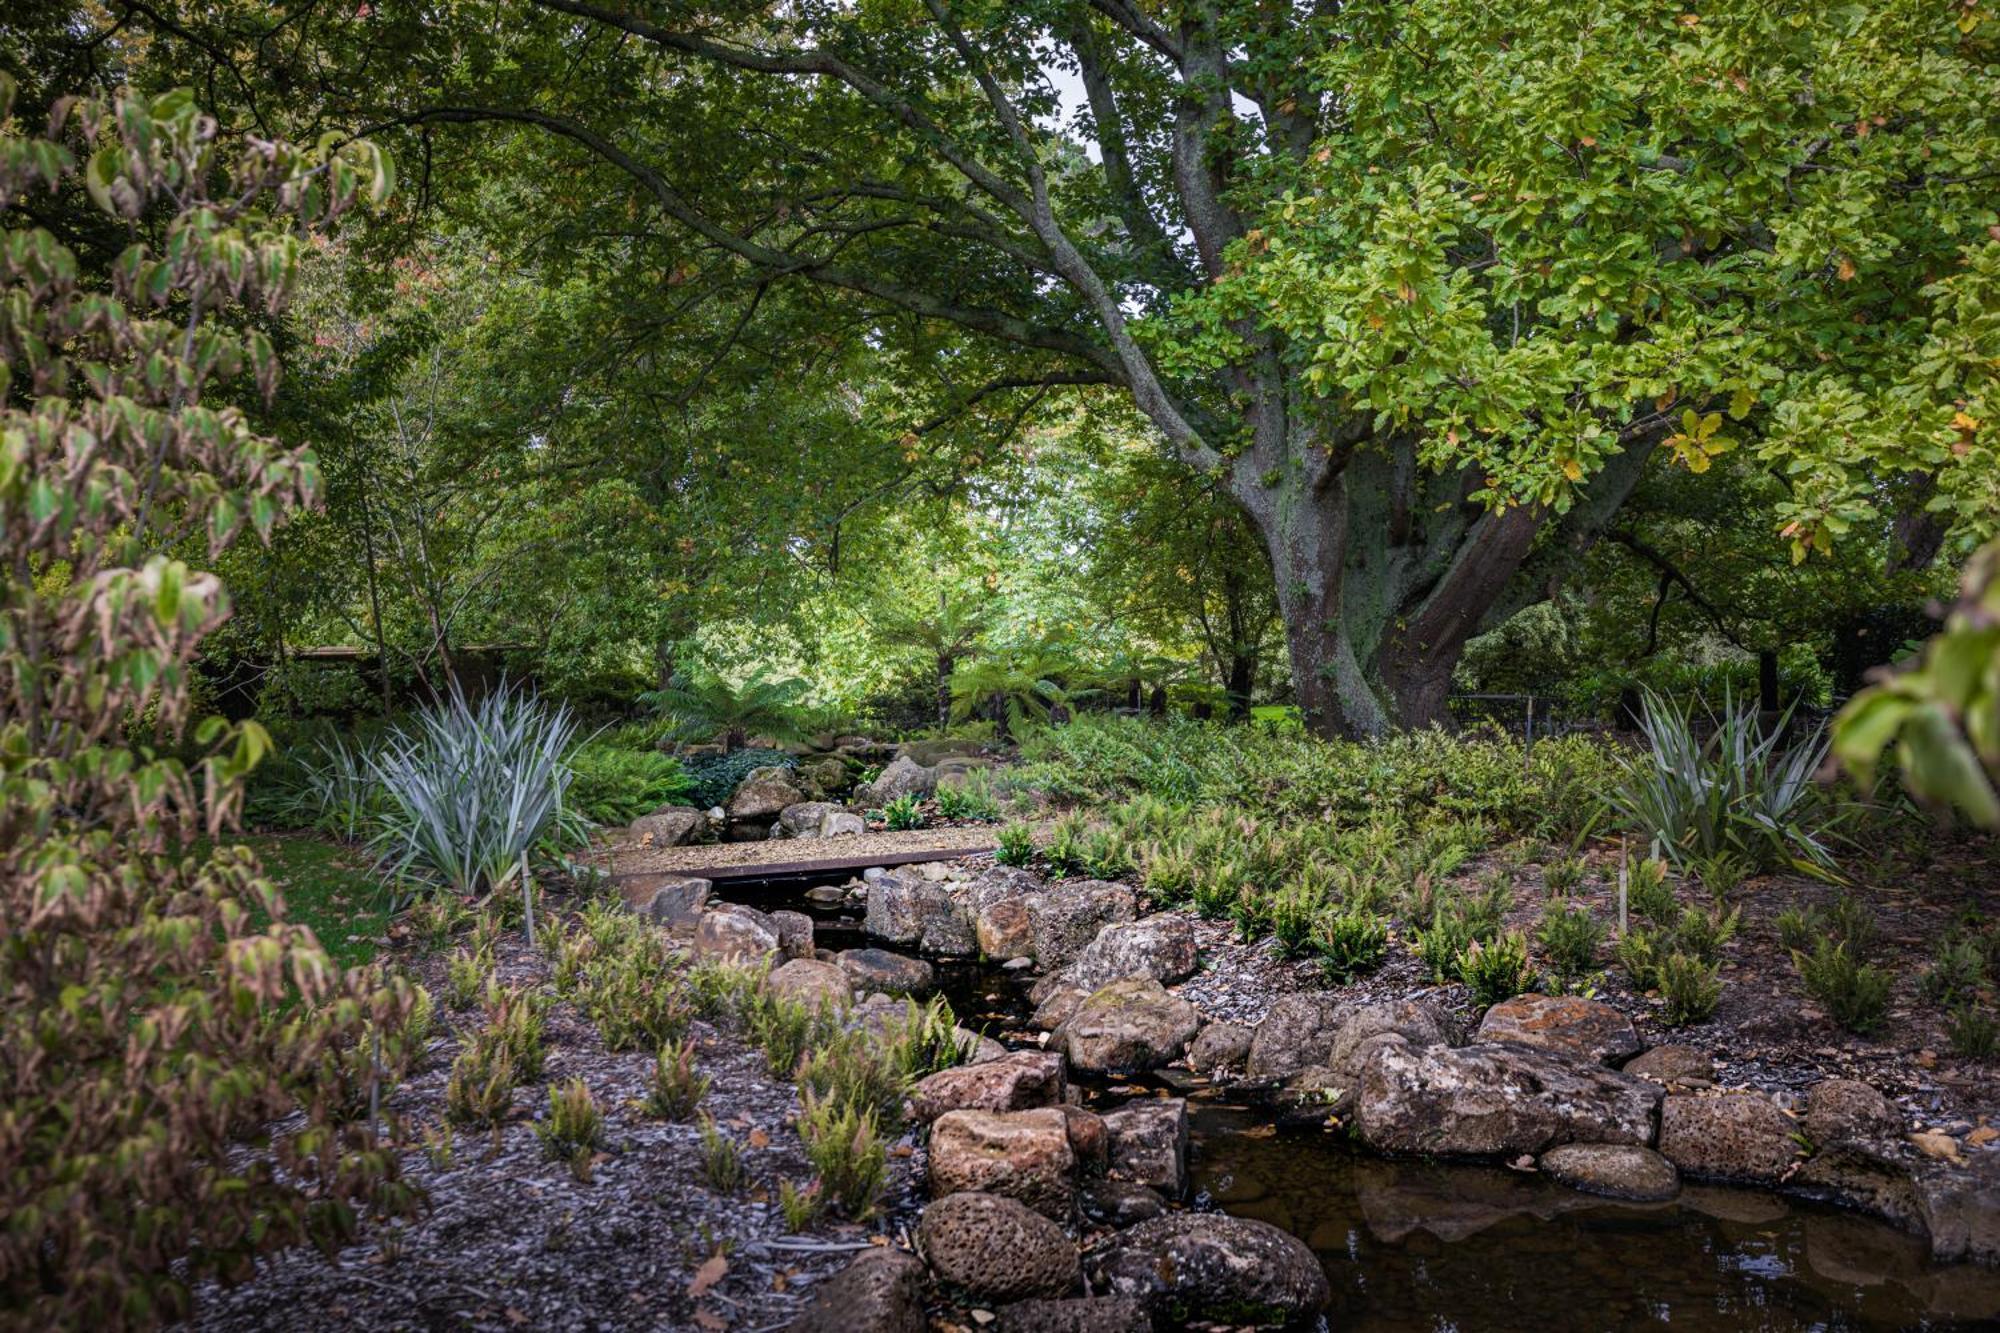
(1415, 1245)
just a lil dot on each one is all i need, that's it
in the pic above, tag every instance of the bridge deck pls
(725, 861)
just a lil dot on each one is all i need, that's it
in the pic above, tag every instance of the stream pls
(1411, 1244)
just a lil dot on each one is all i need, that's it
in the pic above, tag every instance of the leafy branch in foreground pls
(150, 1025)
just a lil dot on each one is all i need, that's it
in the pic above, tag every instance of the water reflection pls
(1415, 1245)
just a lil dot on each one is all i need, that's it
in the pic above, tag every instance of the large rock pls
(882, 1291)
(1064, 918)
(672, 901)
(1161, 947)
(1565, 1024)
(1961, 1209)
(812, 983)
(734, 934)
(763, 795)
(669, 826)
(1878, 1177)
(1084, 1314)
(1128, 1025)
(841, 824)
(1297, 1031)
(1024, 1155)
(1495, 1100)
(905, 908)
(1415, 1021)
(1221, 1048)
(993, 1248)
(1002, 929)
(803, 819)
(828, 774)
(903, 777)
(1728, 1136)
(1620, 1170)
(1119, 1203)
(795, 933)
(1841, 1109)
(1016, 1081)
(1674, 1065)
(890, 973)
(1193, 1267)
(929, 753)
(1148, 1143)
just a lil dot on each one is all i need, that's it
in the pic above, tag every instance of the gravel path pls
(628, 858)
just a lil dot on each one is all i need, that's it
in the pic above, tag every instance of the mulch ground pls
(512, 1240)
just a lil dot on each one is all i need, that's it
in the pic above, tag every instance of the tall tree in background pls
(1422, 287)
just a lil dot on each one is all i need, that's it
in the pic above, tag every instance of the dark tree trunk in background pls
(945, 663)
(1134, 693)
(1157, 705)
(1767, 681)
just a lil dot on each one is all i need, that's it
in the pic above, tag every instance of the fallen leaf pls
(712, 1271)
(710, 1320)
(516, 1317)
(759, 1139)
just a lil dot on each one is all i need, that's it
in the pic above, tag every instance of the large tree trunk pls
(1384, 575)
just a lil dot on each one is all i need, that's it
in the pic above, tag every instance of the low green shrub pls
(465, 977)
(1955, 973)
(713, 779)
(1167, 874)
(674, 1090)
(517, 1017)
(1854, 994)
(1569, 937)
(970, 798)
(1701, 934)
(1648, 892)
(844, 1144)
(1690, 987)
(610, 784)
(721, 1159)
(1065, 849)
(1562, 876)
(573, 1123)
(1973, 1032)
(1349, 943)
(1295, 911)
(903, 814)
(1497, 969)
(801, 1206)
(480, 1090)
(1440, 945)
(1640, 953)
(634, 999)
(1016, 845)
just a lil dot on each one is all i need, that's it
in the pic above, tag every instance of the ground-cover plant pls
(1640, 954)
(1295, 912)
(969, 798)
(1740, 790)
(465, 976)
(1690, 988)
(480, 1090)
(634, 998)
(142, 1065)
(469, 788)
(843, 1141)
(573, 1124)
(517, 1018)
(1973, 1032)
(1496, 969)
(721, 1159)
(713, 778)
(1562, 875)
(1016, 845)
(1701, 934)
(903, 813)
(611, 784)
(1854, 994)
(1956, 972)
(801, 1205)
(674, 1090)
(1349, 943)
(1569, 937)
(1648, 893)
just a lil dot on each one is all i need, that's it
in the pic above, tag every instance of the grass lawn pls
(329, 887)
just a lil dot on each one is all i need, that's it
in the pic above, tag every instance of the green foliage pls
(468, 788)
(168, 1116)
(1569, 937)
(783, 1029)
(903, 813)
(1973, 1032)
(1016, 845)
(1648, 892)
(573, 1123)
(1563, 875)
(714, 778)
(634, 997)
(1942, 714)
(1955, 973)
(480, 1091)
(1640, 953)
(702, 706)
(1721, 874)
(844, 1144)
(674, 1089)
(1350, 943)
(1065, 849)
(516, 1018)
(970, 799)
(1740, 791)
(1690, 988)
(1854, 994)
(465, 977)
(610, 784)
(1496, 969)
(1701, 934)
(721, 1159)
(801, 1206)
(1013, 686)
(1295, 911)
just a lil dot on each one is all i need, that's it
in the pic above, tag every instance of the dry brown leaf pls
(712, 1271)
(710, 1320)
(759, 1139)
